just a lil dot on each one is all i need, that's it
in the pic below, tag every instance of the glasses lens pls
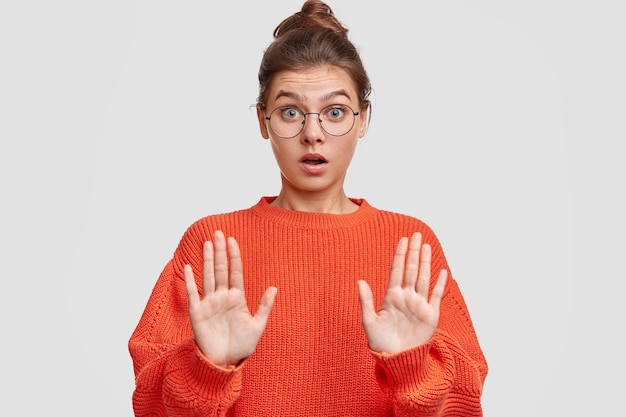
(288, 122)
(337, 119)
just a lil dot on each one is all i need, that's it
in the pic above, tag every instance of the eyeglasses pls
(288, 121)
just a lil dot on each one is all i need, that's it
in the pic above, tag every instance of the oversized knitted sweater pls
(313, 358)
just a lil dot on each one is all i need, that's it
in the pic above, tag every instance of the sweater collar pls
(312, 220)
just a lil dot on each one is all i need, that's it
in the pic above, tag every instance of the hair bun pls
(314, 14)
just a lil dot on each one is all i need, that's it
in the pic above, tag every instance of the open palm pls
(406, 317)
(223, 327)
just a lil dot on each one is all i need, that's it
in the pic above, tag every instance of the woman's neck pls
(338, 204)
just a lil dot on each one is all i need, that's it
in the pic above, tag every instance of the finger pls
(221, 261)
(236, 268)
(266, 304)
(397, 265)
(366, 299)
(208, 276)
(440, 286)
(423, 279)
(190, 284)
(412, 261)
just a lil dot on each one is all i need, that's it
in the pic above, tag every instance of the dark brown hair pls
(310, 38)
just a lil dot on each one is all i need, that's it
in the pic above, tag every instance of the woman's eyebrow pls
(336, 93)
(290, 94)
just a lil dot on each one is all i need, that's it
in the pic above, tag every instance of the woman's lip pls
(313, 157)
(313, 169)
(313, 163)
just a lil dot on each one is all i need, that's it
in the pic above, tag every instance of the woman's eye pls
(335, 112)
(291, 113)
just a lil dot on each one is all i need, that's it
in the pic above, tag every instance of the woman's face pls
(313, 160)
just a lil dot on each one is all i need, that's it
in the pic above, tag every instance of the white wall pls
(499, 123)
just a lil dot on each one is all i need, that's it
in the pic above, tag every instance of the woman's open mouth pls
(313, 163)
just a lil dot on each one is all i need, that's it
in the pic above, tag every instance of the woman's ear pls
(260, 114)
(364, 118)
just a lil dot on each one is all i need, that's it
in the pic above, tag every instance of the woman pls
(355, 312)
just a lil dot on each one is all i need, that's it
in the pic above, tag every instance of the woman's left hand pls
(406, 318)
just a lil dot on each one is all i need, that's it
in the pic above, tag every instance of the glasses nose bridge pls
(319, 121)
(304, 115)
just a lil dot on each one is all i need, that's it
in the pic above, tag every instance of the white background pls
(501, 124)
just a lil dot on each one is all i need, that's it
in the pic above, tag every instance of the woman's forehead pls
(318, 83)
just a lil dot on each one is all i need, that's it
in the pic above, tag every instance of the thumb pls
(266, 304)
(366, 298)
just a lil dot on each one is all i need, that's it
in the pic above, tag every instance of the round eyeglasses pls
(287, 122)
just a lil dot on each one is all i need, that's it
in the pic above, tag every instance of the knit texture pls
(313, 359)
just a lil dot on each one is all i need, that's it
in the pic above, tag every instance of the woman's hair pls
(310, 38)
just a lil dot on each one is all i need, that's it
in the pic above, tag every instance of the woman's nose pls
(312, 130)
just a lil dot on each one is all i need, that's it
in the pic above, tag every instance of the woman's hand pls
(223, 327)
(406, 318)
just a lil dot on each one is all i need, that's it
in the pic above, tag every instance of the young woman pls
(309, 303)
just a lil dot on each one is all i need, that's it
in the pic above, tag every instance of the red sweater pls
(313, 359)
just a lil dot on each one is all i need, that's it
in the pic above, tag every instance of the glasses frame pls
(319, 120)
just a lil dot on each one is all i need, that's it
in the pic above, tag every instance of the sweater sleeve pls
(443, 377)
(172, 376)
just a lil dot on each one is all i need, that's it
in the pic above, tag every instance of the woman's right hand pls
(223, 327)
